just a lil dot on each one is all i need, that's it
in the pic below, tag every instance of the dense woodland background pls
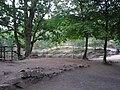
(29, 23)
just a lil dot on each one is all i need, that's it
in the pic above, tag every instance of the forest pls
(24, 22)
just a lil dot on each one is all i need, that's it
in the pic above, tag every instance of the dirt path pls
(96, 77)
(11, 70)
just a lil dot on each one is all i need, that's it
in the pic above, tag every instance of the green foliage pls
(93, 42)
(101, 15)
(117, 43)
(44, 44)
(69, 19)
(80, 43)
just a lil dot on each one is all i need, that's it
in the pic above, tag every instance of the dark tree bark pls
(105, 51)
(86, 47)
(31, 36)
(15, 31)
(106, 29)
(86, 34)
(28, 26)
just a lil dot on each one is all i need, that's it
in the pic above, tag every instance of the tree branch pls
(39, 23)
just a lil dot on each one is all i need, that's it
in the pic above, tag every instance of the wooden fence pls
(7, 52)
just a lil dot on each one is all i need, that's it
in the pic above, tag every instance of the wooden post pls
(11, 53)
(4, 52)
(73, 50)
(0, 52)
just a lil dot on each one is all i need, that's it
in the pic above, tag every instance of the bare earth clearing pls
(95, 77)
(11, 70)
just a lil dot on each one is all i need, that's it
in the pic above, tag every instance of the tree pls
(70, 19)
(80, 23)
(15, 28)
(26, 20)
(33, 21)
(104, 9)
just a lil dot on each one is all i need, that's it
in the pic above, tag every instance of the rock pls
(55, 73)
(33, 73)
(61, 70)
(16, 83)
(81, 66)
(85, 66)
(67, 69)
(13, 81)
(20, 85)
(5, 87)
(23, 74)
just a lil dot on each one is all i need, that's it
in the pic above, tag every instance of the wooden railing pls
(7, 50)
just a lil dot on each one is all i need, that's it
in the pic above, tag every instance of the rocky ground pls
(97, 77)
(60, 73)
(34, 69)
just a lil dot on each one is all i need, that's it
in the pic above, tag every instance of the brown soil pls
(11, 70)
(97, 77)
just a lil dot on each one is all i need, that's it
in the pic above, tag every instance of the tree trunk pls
(105, 51)
(32, 44)
(106, 29)
(27, 43)
(86, 48)
(15, 31)
(28, 25)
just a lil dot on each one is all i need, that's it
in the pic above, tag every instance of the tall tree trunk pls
(28, 25)
(86, 34)
(27, 43)
(15, 31)
(86, 47)
(32, 44)
(105, 51)
(28, 34)
(106, 29)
